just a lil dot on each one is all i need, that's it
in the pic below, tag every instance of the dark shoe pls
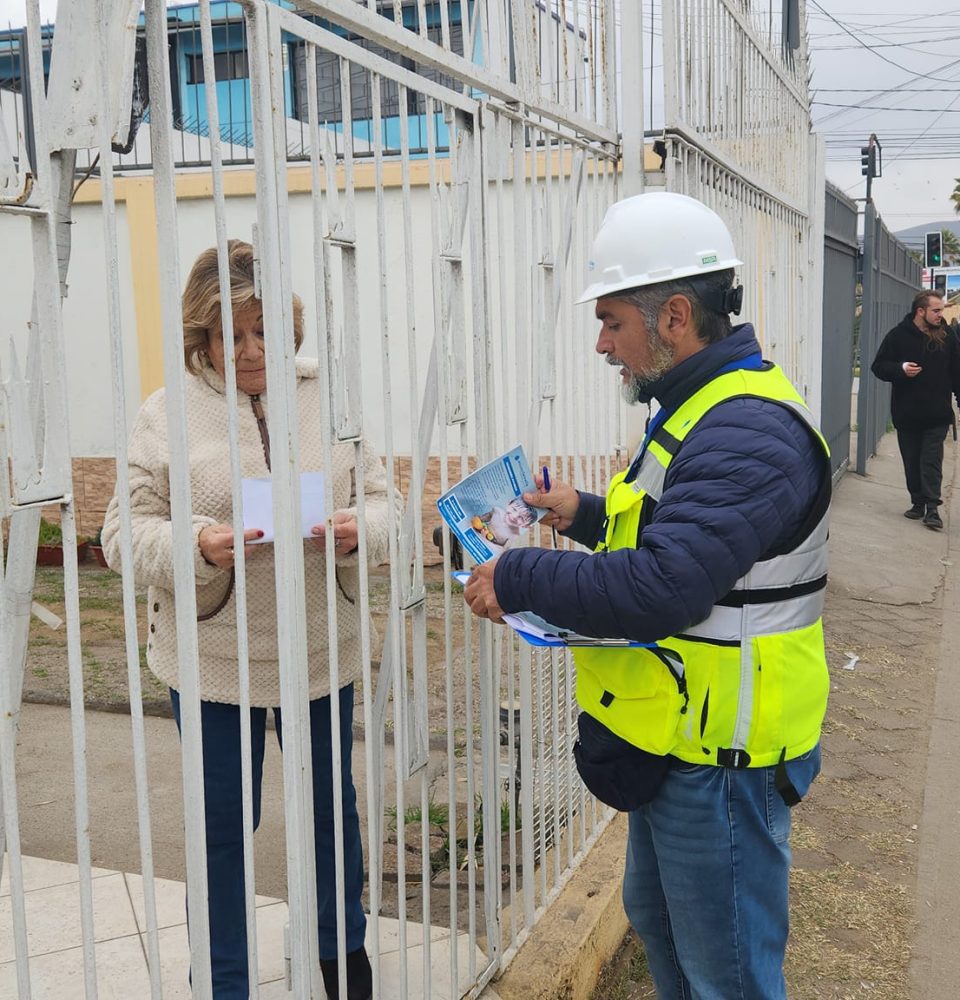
(932, 519)
(359, 976)
(915, 512)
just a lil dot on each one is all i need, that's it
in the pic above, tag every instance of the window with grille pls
(226, 66)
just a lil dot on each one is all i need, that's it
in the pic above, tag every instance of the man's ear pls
(676, 319)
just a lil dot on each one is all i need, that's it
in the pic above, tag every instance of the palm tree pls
(950, 248)
(955, 196)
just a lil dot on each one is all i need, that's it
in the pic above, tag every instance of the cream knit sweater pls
(207, 415)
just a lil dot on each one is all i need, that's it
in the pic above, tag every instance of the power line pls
(875, 107)
(891, 90)
(877, 90)
(880, 55)
(909, 46)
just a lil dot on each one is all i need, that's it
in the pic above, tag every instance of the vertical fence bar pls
(276, 295)
(180, 504)
(240, 583)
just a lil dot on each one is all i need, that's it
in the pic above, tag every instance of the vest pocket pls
(638, 694)
(791, 691)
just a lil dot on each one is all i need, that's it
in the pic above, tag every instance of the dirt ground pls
(104, 655)
(854, 840)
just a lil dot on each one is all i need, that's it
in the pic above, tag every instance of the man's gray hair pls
(711, 326)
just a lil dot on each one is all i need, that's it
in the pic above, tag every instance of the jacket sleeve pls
(376, 507)
(954, 365)
(152, 528)
(587, 526)
(741, 485)
(888, 365)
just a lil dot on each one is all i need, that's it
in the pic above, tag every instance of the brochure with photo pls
(486, 512)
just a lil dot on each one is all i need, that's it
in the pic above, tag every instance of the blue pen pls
(546, 489)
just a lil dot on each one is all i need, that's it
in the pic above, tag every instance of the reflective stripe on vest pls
(756, 669)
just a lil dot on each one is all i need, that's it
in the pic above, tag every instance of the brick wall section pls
(94, 480)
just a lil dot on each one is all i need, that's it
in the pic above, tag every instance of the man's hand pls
(911, 369)
(480, 594)
(561, 501)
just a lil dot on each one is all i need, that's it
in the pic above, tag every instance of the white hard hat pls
(656, 237)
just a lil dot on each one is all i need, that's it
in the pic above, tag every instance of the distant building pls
(232, 72)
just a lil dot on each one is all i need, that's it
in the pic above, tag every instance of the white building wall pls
(85, 309)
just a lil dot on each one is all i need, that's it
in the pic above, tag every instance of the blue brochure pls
(486, 512)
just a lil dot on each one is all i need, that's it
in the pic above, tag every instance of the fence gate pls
(461, 156)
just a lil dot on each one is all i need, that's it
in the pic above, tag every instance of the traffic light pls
(868, 160)
(940, 285)
(934, 249)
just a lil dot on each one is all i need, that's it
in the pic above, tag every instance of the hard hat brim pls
(601, 289)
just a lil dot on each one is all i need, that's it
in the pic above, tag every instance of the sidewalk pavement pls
(904, 580)
(877, 558)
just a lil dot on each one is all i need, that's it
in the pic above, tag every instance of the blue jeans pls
(224, 829)
(705, 886)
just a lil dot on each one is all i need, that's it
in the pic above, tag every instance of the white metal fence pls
(469, 733)
(737, 133)
(446, 333)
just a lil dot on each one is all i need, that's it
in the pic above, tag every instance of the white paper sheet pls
(257, 497)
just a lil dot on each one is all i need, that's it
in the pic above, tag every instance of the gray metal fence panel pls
(841, 252)
(891, 277)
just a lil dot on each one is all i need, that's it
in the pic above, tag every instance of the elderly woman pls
(207, 420)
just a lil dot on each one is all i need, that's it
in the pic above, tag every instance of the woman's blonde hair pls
(201, 300)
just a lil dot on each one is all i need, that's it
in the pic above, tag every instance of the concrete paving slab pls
(875, 552)
(56, 957)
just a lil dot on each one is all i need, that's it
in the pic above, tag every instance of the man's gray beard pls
(635, 389)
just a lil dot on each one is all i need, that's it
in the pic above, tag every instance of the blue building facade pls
(231, 67)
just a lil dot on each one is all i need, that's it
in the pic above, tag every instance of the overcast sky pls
(877, 67)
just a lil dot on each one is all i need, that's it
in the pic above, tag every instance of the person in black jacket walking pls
(922, 361)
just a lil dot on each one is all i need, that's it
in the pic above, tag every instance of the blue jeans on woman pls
(224, 829)
(705, 887)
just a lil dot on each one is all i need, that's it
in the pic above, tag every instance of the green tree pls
(955, 196)
(951, 248)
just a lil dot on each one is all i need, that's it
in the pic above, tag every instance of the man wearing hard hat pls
(711, 550)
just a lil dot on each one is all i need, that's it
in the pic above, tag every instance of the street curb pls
(579, 933)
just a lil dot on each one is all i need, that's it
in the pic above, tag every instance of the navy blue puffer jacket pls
(740, 487)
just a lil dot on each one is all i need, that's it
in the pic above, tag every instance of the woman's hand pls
(562, 502)
(345, 534)
(216, 544)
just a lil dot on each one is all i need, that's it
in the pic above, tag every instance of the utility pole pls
(871, 162)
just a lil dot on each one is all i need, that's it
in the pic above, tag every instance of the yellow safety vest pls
(753, 688)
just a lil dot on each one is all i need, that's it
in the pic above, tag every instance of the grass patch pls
(627, 976)
(834, 918)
